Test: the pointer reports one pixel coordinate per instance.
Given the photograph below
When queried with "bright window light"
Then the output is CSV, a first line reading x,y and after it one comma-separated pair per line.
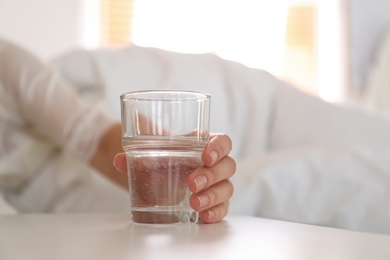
x,y
91,23
247,31
332,53
251,32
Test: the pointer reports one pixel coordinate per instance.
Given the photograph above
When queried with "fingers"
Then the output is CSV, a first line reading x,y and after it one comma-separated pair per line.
x,y
205,177
212,190
120,162
215,214
213,203
210,184
212,197
218,147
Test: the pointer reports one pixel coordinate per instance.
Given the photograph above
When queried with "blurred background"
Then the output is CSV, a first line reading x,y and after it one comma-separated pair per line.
x,y
324,47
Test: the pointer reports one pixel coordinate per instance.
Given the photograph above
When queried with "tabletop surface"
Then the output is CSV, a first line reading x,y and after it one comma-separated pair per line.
x,y
106,236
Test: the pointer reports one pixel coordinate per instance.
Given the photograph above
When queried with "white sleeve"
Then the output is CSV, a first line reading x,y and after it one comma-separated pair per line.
x,y
6,208
46,103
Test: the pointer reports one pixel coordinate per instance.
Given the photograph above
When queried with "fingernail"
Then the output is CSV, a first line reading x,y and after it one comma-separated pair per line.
x,y
211,214
203,200
201,182
214,156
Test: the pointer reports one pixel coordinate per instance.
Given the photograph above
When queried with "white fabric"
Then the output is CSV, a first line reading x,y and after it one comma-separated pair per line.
x,y
334,186
298,158
67,185
300,119
40,114
235,90
5,208
377,96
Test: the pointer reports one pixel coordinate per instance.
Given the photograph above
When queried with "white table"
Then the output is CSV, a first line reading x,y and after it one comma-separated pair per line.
x,y
114,237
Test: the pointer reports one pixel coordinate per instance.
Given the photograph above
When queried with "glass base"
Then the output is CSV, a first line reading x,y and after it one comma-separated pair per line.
x,y
165,216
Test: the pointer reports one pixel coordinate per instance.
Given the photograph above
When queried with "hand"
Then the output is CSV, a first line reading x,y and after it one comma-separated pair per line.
x,y
210,183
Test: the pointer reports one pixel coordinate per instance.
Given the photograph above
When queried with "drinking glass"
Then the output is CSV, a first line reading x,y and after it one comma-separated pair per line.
x,y
164,133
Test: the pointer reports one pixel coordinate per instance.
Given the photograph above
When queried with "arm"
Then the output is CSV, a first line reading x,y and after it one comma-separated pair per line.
x,y
110,144
44,103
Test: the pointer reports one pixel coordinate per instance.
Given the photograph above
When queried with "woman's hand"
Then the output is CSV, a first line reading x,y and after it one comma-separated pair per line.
x,y
210,183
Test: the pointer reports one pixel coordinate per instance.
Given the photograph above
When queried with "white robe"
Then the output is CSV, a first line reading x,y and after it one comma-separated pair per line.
x,y
46,128
298,158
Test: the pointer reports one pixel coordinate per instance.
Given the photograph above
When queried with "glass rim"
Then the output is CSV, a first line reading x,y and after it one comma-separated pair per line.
x,y
165,95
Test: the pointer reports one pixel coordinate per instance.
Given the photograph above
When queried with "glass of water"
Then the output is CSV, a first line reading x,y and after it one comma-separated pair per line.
x,y
164,133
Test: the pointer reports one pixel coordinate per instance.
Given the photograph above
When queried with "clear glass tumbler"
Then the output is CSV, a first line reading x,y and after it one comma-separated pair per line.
x,y
164,133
